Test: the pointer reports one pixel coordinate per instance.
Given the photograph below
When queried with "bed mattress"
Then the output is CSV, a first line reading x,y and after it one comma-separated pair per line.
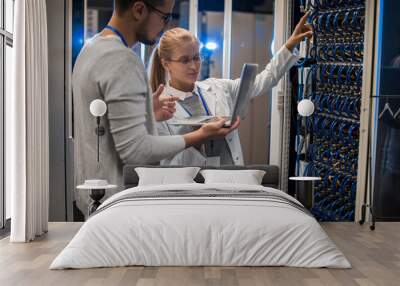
x,y
201,225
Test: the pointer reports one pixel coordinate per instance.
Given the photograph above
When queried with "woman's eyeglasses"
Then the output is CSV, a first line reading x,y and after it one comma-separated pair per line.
x,y
165,16
187,60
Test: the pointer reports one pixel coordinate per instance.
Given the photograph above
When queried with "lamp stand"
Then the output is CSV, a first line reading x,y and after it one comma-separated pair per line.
x,y
100,131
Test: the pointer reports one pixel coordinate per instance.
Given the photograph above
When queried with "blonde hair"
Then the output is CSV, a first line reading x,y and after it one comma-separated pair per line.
x,y
170,40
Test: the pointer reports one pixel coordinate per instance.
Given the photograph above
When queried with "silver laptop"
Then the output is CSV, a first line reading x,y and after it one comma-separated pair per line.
x,y
242,98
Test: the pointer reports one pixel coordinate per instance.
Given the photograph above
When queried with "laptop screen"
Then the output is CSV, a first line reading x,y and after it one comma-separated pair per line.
x,y
249,72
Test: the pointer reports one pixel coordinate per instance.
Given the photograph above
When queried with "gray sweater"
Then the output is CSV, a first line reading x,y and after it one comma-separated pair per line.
x,y
108,70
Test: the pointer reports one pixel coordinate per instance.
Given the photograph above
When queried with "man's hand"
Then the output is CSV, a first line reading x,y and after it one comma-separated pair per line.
x,y
211,130
215,129
302,30
163,106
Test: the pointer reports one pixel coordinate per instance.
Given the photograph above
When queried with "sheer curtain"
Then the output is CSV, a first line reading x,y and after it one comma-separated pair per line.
x,y
27,143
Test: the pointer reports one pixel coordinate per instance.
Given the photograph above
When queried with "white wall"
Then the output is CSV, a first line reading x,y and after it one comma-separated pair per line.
x,y
251,41
215,33
278,93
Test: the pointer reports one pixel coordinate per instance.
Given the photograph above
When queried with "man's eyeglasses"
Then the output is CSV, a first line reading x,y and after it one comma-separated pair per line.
x,y
187,60
165,16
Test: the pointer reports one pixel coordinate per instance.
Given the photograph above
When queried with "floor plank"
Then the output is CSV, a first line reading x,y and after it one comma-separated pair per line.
x,y
374,255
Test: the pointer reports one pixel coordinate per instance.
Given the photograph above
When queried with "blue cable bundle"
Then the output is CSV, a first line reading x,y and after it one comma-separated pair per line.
x,y
336,56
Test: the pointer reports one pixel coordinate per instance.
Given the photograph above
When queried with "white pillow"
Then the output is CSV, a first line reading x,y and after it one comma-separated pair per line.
x,y
164,176
248,177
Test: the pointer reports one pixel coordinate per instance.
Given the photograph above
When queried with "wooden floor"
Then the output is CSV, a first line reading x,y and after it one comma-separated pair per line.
x,y
375,257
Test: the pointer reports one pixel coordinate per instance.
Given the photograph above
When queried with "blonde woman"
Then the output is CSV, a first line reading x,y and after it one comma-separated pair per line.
x,y
176,62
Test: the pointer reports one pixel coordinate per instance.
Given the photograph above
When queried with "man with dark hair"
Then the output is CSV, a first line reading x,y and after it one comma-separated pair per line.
x,y
145,30
108,69
123,5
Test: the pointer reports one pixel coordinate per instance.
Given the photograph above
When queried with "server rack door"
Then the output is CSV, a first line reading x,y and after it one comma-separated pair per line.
x,y
386,169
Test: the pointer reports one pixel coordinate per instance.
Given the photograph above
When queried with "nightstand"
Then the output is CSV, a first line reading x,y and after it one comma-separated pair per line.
x,y
97,190
305,190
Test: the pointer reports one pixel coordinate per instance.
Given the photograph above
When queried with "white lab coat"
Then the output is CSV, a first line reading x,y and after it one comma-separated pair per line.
x,y
219,96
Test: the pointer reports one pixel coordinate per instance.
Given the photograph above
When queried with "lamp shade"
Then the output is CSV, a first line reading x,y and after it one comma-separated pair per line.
x,y
98,107
305,107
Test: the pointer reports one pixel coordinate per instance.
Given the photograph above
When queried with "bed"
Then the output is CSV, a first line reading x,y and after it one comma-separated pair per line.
x,y
198,224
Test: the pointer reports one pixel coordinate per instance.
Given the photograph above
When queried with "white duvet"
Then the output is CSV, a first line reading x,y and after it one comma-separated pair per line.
x,y
200,231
